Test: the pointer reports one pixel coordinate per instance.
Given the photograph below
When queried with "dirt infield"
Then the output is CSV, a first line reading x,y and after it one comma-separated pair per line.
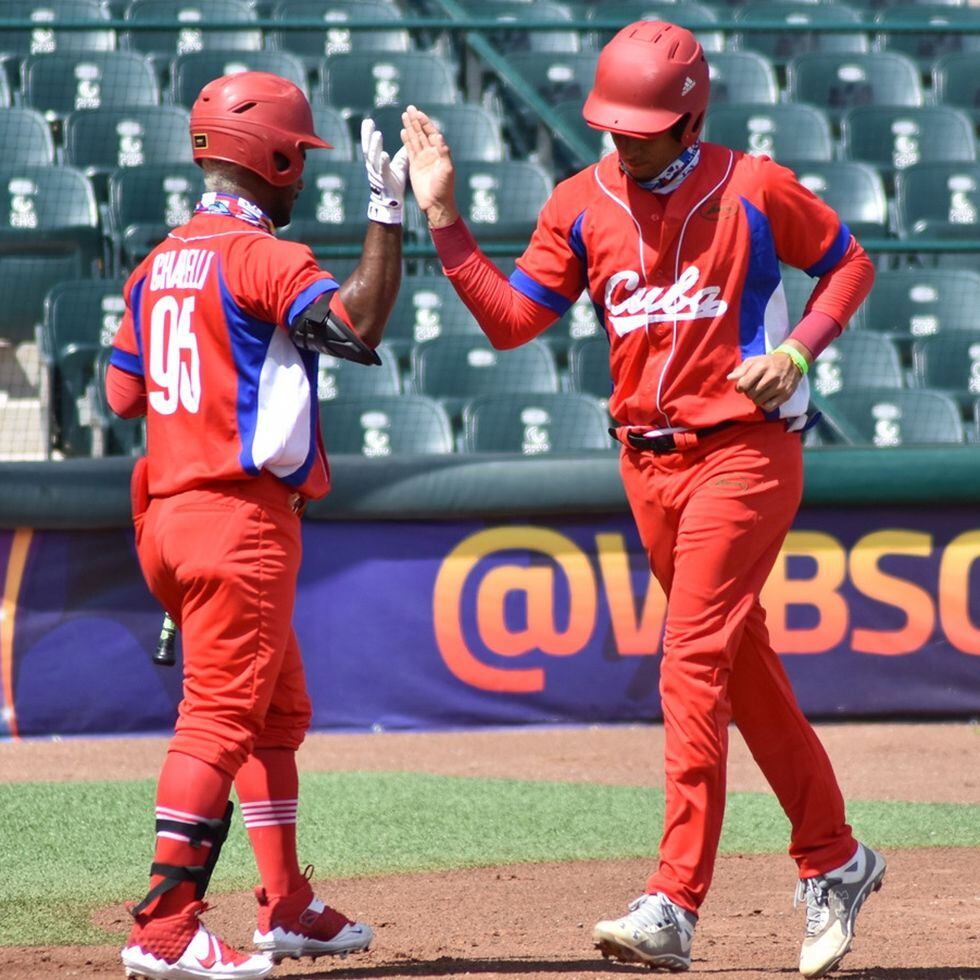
x,y
534,921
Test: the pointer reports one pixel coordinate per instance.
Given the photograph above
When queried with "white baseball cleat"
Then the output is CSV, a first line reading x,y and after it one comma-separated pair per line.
x,y
655,932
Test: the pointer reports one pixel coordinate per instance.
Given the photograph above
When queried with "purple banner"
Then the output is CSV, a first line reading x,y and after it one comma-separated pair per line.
x,y
411,625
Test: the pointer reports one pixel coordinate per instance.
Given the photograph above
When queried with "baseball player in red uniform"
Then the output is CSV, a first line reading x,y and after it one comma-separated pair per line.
x,y
218,348
678,243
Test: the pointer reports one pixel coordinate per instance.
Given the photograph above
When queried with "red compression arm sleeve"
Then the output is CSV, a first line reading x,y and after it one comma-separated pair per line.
x,y
507,317
125,393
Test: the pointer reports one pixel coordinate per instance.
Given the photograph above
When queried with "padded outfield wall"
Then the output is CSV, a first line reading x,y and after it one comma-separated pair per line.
x,y
483,591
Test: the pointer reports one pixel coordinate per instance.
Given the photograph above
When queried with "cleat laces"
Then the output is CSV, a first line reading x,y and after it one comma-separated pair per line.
x,y
816,893
656,912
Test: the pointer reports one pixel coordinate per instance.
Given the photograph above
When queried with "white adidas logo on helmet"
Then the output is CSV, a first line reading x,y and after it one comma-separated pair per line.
x,y
689,83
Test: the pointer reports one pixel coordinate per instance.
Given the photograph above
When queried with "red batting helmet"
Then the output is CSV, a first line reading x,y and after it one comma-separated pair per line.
x,y
650,75
258,120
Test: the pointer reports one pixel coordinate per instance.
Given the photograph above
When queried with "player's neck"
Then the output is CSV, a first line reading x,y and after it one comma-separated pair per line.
x,y
674,174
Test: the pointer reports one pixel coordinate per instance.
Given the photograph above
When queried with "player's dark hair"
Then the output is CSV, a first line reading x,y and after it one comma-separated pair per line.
x,y
677,130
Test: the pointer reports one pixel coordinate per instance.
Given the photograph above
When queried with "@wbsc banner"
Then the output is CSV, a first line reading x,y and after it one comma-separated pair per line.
x,y
411,624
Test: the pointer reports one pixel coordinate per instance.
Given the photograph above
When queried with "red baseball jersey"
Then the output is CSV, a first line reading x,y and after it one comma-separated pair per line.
x,y
687,284
228,393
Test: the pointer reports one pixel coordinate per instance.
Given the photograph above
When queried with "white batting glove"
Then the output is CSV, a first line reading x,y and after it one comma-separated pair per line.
x,y
386,175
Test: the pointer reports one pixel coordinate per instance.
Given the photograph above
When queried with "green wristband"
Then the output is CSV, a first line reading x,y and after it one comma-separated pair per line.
x,y
795,356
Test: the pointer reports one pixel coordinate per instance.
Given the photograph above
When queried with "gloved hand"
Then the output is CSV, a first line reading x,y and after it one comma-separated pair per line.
x,y
386,175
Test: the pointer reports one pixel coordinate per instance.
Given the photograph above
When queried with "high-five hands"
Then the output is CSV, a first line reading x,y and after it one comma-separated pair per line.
x,y
386,175
430,168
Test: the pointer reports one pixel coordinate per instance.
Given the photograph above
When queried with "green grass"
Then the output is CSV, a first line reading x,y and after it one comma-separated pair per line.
x,y
66,848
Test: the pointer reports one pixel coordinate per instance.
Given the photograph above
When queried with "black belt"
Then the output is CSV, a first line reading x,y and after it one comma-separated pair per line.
x,y
665,442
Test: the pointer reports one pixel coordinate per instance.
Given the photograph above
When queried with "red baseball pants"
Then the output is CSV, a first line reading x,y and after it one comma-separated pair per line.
x,y
223,561
712,520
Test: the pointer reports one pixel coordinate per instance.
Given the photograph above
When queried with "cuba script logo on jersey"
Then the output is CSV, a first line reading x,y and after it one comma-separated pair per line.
x,y
632,307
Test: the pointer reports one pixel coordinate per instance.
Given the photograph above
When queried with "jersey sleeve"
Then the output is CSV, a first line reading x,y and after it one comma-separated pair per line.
x,y
273,280
552,269
127,353
808,234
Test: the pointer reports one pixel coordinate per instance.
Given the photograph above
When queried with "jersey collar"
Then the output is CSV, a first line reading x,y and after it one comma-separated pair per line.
x,y
230,206
675,173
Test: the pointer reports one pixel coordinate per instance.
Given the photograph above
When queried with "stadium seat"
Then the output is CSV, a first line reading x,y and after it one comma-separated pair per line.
x,y
48,233
6,98
939,200
338,378
186,35
950,362
854,190
191,72
386,426
557,77
73,400
926,47
588,367
81,311
534,425
781,46
332,210
578,323
25,138
956,82
501,201
857,359
692,15
102,140
331,126
146,202
359,82
111,435
59,83
913,303
894,139
456,369
600,142
427,307
517,39
470,130
783,132
44,38
838,82
742,77
335,38
899,417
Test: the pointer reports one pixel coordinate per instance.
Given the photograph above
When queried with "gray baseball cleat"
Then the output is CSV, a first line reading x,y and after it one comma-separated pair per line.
x,y
656,932
833,901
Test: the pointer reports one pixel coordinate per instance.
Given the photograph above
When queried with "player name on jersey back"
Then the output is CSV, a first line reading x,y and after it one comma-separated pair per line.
x,y
185,268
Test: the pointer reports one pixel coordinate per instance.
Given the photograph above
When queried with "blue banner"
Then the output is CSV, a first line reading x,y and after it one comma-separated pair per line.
x,y
411,625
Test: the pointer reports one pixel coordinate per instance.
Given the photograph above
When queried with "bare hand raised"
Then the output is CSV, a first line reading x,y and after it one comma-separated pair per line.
x,y
430,168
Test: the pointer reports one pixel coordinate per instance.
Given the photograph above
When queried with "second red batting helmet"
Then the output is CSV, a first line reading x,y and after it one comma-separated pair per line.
x,y
258,120
649,76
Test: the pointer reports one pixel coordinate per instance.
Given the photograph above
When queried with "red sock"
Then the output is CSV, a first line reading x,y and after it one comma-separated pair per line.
x,y
189,790
268,788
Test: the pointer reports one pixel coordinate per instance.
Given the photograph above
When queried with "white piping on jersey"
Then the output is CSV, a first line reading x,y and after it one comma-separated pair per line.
x,y
625,206
677,273
222,234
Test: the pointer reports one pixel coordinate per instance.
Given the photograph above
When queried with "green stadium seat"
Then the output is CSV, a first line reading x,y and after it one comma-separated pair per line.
x,y
59,83
781,46
744,77
471,131
894,139
73,400
578,323
939,200
338,378
362,81
332,210
956,82
838,82
691,15
44,38
186,35
783,132
857,360
854,190
913,303
899,417
949,362
600,142
190,72
146,202
25,138
926,47
588,367
501,201
335,38
330,124
382,426
100,141
517,39
797,287
111,435
456,369
534,425
557,77
427,307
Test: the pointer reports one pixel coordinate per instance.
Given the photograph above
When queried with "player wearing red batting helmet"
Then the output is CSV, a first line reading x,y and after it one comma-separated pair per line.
x,y
219,349
678,243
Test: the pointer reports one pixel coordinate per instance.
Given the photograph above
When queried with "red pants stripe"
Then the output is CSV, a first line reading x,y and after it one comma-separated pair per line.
x,y
712,520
